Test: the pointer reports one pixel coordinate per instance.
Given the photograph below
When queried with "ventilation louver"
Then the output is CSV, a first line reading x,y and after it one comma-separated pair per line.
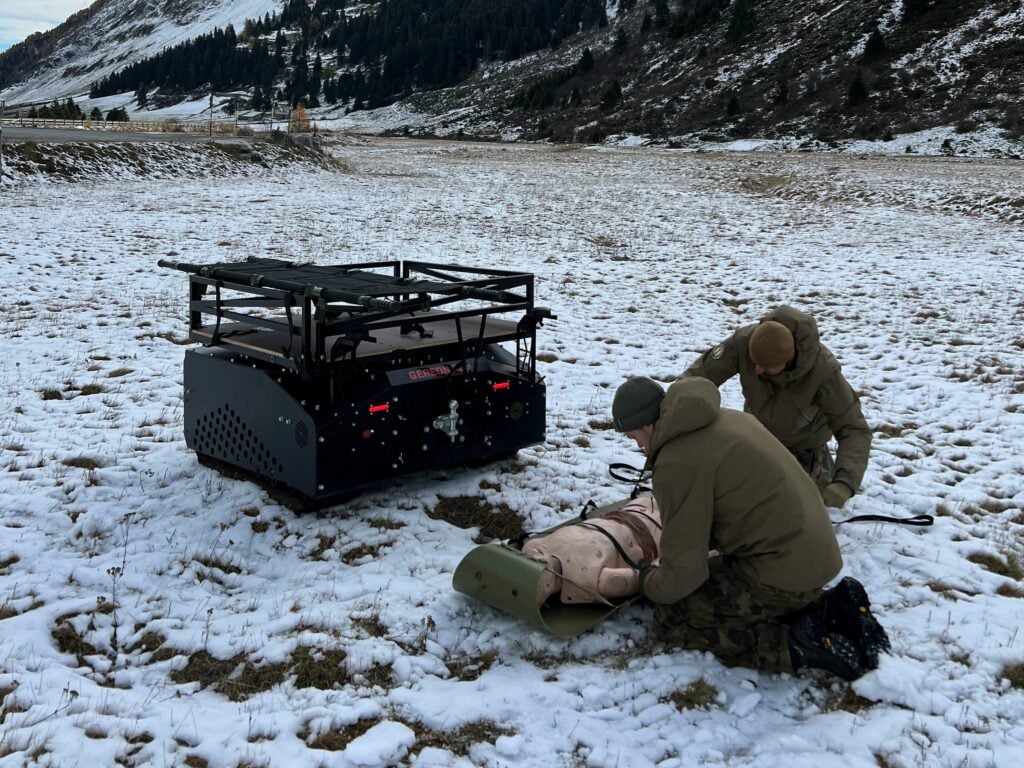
x,y
223,435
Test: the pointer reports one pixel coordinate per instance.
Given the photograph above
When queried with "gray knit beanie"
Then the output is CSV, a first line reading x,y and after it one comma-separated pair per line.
x,y
637,403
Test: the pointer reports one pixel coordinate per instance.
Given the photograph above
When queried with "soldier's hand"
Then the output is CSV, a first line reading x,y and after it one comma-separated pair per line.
x,y
645,569
836,494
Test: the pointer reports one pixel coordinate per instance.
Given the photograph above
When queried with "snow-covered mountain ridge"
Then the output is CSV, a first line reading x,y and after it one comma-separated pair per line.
x,y
109,35
664,69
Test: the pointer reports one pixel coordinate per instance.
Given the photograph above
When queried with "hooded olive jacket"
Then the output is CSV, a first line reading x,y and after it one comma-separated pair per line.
x,y
805,405
723,482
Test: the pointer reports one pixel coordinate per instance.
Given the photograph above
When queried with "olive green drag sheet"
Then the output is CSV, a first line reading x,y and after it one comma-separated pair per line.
x,y
501,576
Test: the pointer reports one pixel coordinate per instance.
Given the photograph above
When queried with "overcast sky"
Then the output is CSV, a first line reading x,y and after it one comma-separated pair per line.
x,y
20,18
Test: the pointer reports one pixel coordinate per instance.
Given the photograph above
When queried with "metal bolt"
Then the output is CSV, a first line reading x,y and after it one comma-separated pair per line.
x,y
320,487
320,439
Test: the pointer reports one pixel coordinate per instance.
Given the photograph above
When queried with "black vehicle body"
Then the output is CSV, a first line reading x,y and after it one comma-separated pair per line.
x,y
328,379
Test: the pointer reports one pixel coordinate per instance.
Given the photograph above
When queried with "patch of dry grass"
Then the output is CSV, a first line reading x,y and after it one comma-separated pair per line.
x,y
496,521
470,667
68,640
316,668
378,675
217,564
1010,566
236,678
337,740
1015,674
697,695
361,551
371,625
325,542
82,462
846,701
460,740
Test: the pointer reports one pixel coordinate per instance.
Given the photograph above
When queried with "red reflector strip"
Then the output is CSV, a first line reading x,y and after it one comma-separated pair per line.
x,y
502,385
379,408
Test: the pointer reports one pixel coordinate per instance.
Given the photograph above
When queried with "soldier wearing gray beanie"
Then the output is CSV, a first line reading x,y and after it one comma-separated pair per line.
x,y
637,403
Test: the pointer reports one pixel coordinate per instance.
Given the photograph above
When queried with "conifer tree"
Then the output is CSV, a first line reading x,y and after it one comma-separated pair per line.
x,y
857,92
914,9
586,62
743,20
875,47
611,96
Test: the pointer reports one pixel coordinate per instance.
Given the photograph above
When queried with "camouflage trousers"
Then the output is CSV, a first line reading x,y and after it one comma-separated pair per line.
x,y
741,621
818,463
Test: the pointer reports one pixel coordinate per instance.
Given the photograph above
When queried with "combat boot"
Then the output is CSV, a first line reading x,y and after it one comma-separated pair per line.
x,y
847,610
812,645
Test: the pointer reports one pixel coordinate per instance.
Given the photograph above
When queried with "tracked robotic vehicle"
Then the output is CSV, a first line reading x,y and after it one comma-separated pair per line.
x,y
322,380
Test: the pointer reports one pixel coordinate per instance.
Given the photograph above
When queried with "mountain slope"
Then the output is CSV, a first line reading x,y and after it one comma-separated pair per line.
x,y
109,35
830,70
659,68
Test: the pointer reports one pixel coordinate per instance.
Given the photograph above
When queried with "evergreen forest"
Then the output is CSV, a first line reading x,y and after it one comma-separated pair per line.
x,y
329,53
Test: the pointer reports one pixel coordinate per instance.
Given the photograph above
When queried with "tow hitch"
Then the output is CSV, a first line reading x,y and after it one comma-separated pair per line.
x,y
449,423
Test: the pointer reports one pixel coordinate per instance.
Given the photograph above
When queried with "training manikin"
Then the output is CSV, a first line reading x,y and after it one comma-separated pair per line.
x,y
583,562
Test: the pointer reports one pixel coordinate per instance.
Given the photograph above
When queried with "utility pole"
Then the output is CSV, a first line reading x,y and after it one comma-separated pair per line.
x,y
211,117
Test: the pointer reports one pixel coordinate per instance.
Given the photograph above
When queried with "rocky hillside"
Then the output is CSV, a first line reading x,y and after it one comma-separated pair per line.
x,y
764,68
823,69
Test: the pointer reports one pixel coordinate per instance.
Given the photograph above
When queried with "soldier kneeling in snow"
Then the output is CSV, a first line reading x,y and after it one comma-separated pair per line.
x,y
723,482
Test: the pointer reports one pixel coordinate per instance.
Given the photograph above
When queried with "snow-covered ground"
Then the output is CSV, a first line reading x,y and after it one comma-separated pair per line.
x,y
154,612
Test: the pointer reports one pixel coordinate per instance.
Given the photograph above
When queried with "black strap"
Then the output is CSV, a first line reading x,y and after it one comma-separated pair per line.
x,y
590,506
653,522
520,540
917,520
614,541
639,475
621,471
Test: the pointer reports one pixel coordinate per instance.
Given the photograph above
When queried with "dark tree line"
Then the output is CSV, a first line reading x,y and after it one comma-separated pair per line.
x,y
213,61
374,58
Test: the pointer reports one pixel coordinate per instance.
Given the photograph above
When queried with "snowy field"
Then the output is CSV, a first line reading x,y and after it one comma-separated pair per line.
x,y
153,612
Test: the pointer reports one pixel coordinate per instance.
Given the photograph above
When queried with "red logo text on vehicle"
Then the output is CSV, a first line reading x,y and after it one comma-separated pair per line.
x,y
431,372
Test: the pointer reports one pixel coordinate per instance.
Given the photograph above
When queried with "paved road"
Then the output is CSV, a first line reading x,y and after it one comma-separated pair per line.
x,y
60,135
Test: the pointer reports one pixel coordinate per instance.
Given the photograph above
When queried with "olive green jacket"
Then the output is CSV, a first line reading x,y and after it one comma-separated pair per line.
x,y
723,482
806,404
